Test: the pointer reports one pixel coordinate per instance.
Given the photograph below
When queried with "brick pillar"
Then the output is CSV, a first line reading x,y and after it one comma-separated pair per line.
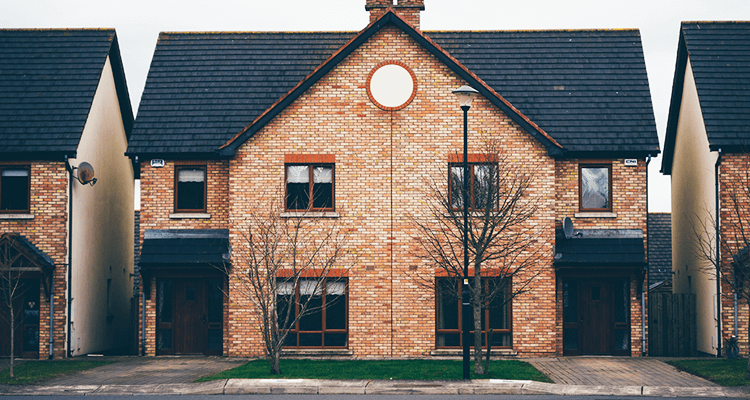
x,y
377,8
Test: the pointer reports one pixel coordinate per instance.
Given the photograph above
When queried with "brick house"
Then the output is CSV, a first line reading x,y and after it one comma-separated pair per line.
x,y
705,152
235,113
63,102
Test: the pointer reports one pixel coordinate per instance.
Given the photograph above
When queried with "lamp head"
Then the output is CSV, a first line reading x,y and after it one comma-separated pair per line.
x,y
465,95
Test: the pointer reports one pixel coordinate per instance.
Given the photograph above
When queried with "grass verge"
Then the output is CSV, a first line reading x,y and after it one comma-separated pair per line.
x,y
721,371
385,369
31,372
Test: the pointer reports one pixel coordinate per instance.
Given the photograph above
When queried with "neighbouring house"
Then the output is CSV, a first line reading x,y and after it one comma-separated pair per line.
x,y
226,116
706,154
660,252
64,106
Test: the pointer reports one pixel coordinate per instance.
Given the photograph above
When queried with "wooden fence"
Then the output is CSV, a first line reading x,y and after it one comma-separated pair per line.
x,y
671,325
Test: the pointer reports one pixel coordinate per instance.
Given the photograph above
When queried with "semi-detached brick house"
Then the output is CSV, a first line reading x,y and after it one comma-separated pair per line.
x,y
230,112
63,102
706,154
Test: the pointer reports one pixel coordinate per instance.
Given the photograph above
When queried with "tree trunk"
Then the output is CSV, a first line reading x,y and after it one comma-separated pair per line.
x,y
476,304
275,359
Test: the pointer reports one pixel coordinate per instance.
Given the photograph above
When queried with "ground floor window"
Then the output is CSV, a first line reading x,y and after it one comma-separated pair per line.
x,y
324,320
496,313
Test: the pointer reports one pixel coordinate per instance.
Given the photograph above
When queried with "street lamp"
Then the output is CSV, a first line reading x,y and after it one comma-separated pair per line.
x,y
465,95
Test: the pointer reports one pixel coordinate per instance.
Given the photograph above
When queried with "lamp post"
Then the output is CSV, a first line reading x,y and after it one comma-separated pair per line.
x,y
465,95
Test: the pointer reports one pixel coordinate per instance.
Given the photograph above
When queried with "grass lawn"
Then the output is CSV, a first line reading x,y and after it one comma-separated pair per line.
x,y
372,369
31,372
722,371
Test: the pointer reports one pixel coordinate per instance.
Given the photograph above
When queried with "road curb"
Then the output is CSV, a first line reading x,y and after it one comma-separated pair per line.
x,y
371,387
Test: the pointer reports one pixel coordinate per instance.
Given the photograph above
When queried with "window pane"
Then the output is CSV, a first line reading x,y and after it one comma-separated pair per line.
x,y
449,340
164,339
323,195
310,339
499,309
313,321
595,188
456,183
191,175
335,340
14,189
447,305
335,312
570,339
283,302
214,339
485,178
622,339
297,174
297,196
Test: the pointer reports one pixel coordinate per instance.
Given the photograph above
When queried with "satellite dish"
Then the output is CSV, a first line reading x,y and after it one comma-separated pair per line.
x,y
86,174
568,227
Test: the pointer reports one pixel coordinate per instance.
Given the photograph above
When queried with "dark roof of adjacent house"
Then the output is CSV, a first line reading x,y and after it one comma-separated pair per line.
x,y
659,247
181,247
719,54
603,248
583,92
48,78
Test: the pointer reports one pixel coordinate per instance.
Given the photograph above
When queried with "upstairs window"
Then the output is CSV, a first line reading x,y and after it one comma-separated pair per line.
x,y
14,189
482,185
595,183
309,187
190,189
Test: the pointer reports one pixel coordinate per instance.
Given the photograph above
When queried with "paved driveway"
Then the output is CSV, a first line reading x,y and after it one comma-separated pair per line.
x,y
149,370
615,371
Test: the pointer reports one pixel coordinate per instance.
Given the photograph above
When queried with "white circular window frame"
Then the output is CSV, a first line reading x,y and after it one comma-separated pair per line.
x,y
391,85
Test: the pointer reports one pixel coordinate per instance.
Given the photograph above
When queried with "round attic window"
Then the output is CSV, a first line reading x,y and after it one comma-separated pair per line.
x,y
391,85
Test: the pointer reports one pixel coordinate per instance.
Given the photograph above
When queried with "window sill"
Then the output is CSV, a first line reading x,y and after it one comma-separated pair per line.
x,y
316,352
189,216
16,216
459,352
312,214
595,215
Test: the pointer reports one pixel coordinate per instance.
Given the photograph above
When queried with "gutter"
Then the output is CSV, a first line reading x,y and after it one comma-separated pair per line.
x,y
69,272
645,280
718,259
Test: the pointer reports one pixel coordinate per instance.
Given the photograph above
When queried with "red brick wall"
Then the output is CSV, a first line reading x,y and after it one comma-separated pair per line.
x,y
734,183
384,162
48,231
629,209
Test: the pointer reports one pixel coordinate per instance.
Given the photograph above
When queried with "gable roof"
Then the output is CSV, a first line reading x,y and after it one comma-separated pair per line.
x,y
48,78
719,54
176,119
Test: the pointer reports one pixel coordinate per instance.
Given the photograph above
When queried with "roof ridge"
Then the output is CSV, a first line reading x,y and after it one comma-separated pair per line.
x,y
716,22
534,30
55,29
247,32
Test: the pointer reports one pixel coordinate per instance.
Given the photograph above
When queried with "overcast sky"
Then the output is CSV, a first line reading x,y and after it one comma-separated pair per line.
x,y
138,22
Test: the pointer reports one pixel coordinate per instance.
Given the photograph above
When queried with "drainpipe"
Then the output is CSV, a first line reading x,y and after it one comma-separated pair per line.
x,y
137,170
51,313
718,259
70,254
644,285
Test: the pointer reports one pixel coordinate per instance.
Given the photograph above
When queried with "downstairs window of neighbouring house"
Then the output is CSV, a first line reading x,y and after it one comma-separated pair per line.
x,y
496,313
14,189
324,322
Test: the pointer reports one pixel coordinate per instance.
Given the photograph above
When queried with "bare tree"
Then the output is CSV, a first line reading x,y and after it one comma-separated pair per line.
x,y
11,289
502,243
290,266
733,257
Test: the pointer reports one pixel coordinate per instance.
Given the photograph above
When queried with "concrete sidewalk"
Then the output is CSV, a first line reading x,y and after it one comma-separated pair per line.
x,y
623,376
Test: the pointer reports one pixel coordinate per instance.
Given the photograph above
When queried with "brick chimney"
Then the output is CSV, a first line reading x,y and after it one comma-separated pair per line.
x,y
408,9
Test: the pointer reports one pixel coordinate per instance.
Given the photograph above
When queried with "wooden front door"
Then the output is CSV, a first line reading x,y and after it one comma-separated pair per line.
x,y
190,322
26,314
596,324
